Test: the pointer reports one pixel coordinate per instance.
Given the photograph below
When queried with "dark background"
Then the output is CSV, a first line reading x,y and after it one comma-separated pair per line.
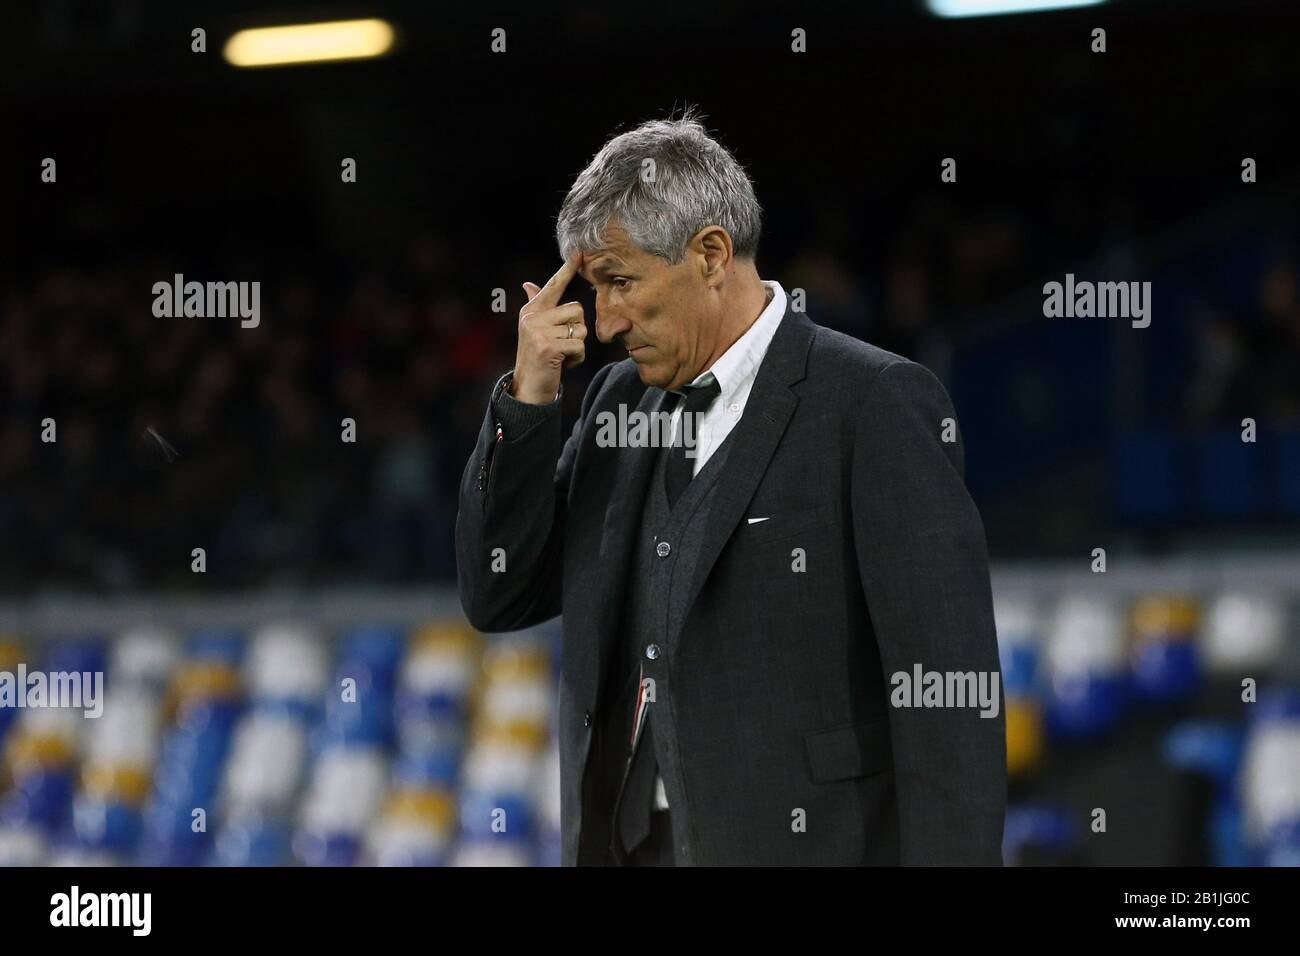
x,y
1123,165
376,298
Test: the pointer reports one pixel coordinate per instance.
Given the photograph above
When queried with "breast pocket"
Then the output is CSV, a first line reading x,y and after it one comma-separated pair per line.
x,y
849,750
761,528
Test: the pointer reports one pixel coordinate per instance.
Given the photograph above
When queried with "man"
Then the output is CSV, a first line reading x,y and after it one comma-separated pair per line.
x,y
740,598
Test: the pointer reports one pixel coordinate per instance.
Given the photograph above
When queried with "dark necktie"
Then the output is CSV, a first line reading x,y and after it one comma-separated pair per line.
x,y
677,474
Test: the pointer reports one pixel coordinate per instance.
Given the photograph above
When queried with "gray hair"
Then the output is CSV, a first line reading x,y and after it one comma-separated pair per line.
x,y
696,183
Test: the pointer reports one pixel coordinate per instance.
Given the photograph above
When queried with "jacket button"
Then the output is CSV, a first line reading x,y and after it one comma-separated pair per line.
x,y
586,718
652,652
663,549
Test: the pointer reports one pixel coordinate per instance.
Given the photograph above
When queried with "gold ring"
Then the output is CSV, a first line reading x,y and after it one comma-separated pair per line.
x,y
570,335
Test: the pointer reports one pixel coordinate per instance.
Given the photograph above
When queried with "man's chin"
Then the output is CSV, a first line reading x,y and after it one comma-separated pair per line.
x,y
650,376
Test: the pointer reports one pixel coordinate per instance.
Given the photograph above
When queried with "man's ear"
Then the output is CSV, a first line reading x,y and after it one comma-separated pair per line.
x,y
712,245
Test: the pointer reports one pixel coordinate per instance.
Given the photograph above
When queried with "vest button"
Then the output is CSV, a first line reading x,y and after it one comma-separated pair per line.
x,y
663,549
586,718
652,651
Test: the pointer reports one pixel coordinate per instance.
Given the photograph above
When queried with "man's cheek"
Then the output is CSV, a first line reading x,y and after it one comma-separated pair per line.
x,y
654,329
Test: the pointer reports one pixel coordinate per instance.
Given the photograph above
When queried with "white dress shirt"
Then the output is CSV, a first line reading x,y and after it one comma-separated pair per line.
x,y
735,372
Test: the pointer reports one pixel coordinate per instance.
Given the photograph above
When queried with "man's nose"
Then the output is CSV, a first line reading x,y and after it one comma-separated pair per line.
x,y
610,325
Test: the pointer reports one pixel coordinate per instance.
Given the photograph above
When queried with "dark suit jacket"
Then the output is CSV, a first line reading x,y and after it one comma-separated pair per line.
x,y
783,747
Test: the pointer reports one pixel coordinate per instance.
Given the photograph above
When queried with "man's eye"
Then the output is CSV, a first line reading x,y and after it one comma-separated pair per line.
x,y
620,282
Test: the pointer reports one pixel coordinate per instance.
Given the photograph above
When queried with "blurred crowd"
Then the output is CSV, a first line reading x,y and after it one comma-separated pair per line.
x,y
1251,361
182,433
172,434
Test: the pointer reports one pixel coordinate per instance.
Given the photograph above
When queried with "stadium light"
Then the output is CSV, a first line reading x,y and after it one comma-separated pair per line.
x,y
309,43
990,8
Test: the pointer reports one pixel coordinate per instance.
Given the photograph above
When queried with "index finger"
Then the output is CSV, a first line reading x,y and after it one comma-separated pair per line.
x,y
549,296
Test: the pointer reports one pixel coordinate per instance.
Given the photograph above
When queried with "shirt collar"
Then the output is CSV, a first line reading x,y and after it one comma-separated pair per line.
x,y
740,362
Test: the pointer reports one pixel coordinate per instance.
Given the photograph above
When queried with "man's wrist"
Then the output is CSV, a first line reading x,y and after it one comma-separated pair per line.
x,y
516,417
511,389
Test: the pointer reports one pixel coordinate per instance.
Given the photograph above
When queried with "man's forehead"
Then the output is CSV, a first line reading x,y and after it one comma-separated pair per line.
x,y
617,251
602,261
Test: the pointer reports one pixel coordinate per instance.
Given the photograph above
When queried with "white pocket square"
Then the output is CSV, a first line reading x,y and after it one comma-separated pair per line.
x,y
756,520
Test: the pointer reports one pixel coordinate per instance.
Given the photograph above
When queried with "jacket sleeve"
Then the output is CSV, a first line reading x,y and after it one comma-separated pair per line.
x,y
924,563
510,521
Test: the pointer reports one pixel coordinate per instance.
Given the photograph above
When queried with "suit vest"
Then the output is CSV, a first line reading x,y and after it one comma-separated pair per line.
x,y
665,554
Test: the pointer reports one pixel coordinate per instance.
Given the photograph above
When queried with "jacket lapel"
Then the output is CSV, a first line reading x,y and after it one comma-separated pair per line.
x,y
755,439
